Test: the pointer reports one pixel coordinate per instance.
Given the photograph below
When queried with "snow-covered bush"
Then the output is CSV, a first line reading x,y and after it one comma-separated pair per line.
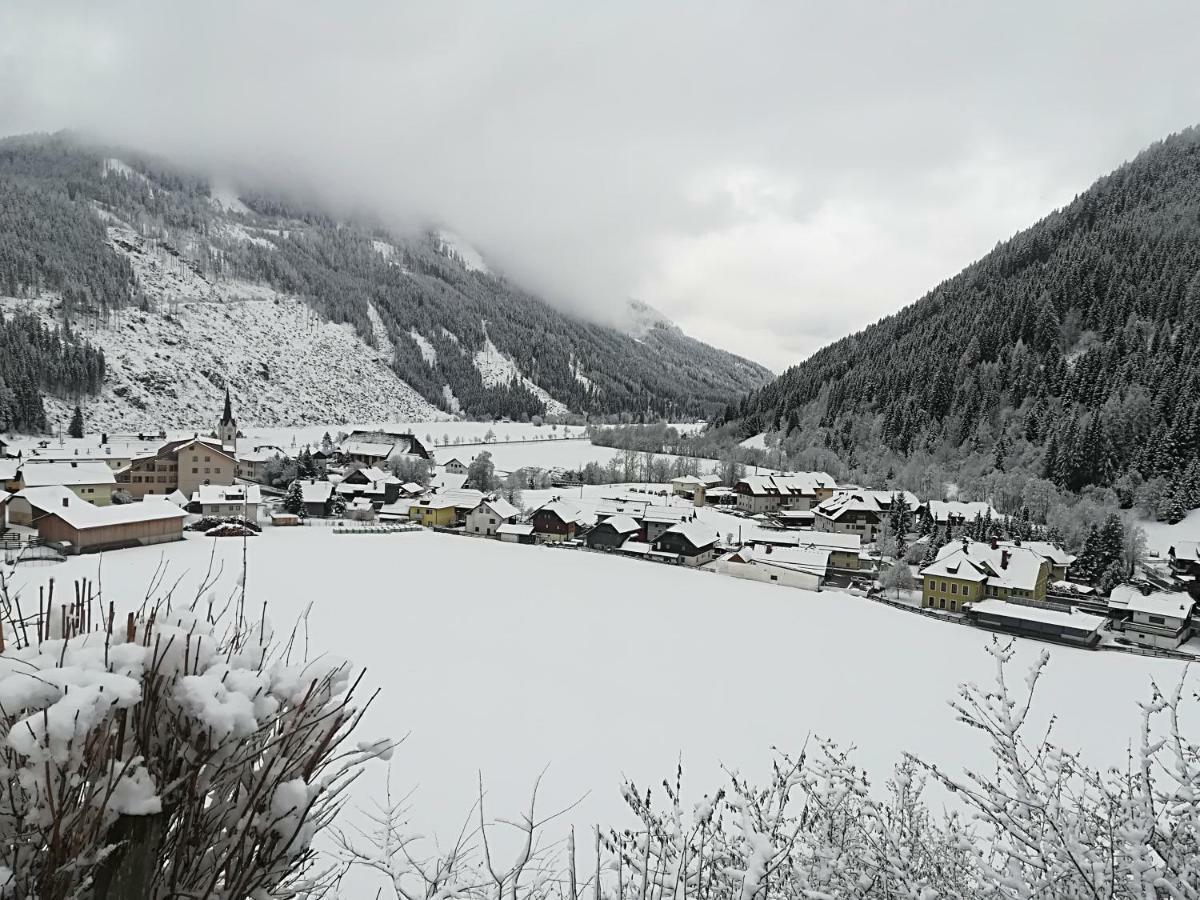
x,y
176,751
1031,822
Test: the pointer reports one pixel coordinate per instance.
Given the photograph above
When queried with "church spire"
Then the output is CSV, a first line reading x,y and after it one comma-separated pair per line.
x,y
227,427
227,416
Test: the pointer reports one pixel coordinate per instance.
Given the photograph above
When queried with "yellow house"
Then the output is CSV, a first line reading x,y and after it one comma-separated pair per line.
x,y
968,571
90,481
434,512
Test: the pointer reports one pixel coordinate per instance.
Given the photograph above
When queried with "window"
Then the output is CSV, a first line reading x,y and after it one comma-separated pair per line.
x,y
774,577
1157,620
195,471
208,459
954,588
942,603
943,587
953,606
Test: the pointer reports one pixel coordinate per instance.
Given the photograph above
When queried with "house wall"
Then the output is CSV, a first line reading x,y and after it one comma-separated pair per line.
x,y
938,592
602,538
249,510
551,528
757,503
483,521
159,475
843,559
433,517
676,543
655,529
200,464
93,540
849,523
770,575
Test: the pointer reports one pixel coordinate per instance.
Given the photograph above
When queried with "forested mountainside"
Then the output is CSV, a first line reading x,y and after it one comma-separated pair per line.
x,y
1071,350
465,339
35,359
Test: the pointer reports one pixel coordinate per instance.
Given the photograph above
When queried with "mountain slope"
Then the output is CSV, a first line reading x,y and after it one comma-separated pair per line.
x,y
1074,346
78,220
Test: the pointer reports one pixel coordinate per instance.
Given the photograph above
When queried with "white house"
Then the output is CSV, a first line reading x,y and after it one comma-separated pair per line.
x,y
455,467
516,534
227,500
489,515
1159,619
801,567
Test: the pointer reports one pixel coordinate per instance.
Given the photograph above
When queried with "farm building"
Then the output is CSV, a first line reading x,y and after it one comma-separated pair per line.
x,y
83,528
223,500
612,533
90,481
688,543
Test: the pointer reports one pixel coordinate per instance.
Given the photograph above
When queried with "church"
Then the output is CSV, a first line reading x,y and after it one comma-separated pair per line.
x,y
185,464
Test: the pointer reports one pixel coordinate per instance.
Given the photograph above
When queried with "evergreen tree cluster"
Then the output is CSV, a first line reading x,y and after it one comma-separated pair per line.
x,y
1076,343
35,359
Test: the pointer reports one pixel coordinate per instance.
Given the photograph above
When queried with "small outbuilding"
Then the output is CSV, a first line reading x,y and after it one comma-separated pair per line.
x,y
82,528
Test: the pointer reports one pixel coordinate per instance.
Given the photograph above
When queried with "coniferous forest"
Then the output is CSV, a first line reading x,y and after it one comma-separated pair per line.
x,y
1071,352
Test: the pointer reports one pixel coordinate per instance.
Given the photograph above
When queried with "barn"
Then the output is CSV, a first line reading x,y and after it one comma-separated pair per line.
x,y
83,528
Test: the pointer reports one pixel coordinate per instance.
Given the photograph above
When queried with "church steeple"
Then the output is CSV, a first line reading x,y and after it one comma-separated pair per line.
x,y
227,427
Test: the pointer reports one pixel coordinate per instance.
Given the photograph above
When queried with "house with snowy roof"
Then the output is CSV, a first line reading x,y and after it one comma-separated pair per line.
x,y
845,549
63,519
1058,558
757,494
1159,619
968,571
226,500
488,515
1057,622
613,531
558,520
859,511
657,519
802,567
1183,557
455,467
10,475
90,481
690,543
374,447
433,511
317,497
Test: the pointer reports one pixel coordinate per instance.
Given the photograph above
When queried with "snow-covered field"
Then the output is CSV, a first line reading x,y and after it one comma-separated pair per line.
x,y
500,659
1161,537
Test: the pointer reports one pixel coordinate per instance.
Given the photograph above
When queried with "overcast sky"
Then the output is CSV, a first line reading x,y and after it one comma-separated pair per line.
x,y
770,175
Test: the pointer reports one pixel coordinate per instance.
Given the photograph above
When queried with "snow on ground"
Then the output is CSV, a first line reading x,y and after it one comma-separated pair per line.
x,y
225,197
758,442
383,342
428,352
1161,537
499,660
495,368
471,258
114,166
233,231
451,400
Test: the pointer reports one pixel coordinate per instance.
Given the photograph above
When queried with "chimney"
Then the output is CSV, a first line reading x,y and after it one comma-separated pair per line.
x,y
1004,554
995,546
74,465
966,546
66,501
768,549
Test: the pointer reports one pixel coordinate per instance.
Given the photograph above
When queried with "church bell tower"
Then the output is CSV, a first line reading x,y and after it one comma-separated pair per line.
x,y
227,427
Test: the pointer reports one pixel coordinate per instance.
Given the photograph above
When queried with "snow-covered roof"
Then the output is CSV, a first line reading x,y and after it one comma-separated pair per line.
x,y
66,473
412,487
61,502
697,534
1186,550
664,515
565,510
831,540
621,524
448,481
1046,615
316,491
1057,555
463,498
794,484
501,507
9,469
706,480
256,456
863,501
639,547
1009,567
942,510
1173,604
802,559
434,502
366,448
207,494
513,528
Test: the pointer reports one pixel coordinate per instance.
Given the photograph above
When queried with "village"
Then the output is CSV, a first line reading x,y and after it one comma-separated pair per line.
x,y
959,562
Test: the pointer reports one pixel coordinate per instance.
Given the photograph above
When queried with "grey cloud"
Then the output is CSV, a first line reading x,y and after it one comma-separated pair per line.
x,y
771,175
